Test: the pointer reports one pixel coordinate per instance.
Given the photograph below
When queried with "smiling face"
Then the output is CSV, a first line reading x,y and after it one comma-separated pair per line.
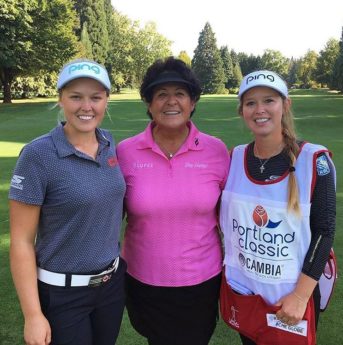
x,y
171,106
262,109
84,102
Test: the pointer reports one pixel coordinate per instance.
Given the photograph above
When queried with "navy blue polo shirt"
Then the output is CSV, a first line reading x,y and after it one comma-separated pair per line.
x,y
81,201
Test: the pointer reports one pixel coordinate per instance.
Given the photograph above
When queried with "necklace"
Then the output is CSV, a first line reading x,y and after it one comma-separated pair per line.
x,y
263,163
166,152
176,144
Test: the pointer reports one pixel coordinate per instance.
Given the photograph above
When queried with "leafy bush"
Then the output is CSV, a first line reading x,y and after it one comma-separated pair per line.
x,y
43,85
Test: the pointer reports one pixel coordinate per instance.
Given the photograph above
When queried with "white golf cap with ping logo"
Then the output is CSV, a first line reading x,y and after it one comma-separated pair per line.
x,y
263,78
83,69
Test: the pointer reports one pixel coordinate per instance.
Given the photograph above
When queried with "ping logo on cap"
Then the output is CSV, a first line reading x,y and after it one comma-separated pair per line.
x,y
257,76
263,78
82,66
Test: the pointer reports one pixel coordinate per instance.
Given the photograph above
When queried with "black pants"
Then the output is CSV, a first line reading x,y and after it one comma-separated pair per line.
x,y
174,315
316,299
85,315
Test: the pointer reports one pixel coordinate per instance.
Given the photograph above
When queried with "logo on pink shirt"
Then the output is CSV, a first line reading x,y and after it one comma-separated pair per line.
x,y
143,165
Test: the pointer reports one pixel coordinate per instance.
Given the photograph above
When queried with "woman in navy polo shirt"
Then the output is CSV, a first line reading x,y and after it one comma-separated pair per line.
x,y
64,231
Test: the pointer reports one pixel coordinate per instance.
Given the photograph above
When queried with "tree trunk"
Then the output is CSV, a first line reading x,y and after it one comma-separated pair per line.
x,y
6,79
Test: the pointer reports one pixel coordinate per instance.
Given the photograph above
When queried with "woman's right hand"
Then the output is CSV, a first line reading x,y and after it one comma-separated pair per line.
x,y
37,330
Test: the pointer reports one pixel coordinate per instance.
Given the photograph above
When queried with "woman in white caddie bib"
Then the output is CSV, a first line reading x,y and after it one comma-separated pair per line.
x,y
278,219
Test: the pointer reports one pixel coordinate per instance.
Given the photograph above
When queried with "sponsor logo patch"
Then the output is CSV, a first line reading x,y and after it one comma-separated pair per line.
x,y
143,165
322,166
261,218
16,182
112,162
258,76
82,66
233,321
196,165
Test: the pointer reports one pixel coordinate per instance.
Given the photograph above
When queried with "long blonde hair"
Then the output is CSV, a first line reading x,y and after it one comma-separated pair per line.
x,y
292,150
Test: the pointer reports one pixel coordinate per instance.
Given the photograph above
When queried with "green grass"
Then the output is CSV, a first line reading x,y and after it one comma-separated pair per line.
x,y
319,119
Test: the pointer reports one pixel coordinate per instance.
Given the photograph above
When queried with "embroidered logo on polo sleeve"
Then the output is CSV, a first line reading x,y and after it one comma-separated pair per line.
x,y
16,182
322,166
112,161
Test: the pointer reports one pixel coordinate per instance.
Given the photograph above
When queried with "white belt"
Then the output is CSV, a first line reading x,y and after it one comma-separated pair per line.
x,y
59,279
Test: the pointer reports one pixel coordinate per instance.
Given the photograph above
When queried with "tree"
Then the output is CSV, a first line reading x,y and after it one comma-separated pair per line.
x,y
131,49
207,63
234,57
292,78
306,69
337,81
234,81
273,60
119,50
120,55
185,58
93,13
249,63
326,62
236,78
87,45
148,46
35,36
227,64
43,85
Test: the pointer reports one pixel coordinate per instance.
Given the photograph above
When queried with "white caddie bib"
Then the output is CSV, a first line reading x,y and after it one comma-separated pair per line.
x,y
265,245
265,241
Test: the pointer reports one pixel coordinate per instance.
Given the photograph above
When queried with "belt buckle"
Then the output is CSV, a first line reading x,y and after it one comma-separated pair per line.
x,y
98,280
104,277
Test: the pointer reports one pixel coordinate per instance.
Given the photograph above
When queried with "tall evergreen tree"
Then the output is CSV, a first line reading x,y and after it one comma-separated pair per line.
x,y
92,12
87,45
227,64
116,54
207,63
237,76
292,77
337,81
234,57
249,63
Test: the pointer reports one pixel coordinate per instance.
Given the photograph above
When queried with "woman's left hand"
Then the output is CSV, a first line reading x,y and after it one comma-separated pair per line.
x,y
292,309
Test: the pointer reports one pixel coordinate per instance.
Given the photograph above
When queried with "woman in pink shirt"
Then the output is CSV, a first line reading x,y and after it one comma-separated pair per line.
x,y
174,175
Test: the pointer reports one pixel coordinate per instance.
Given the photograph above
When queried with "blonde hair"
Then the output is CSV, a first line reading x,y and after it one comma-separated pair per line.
x,y
292,150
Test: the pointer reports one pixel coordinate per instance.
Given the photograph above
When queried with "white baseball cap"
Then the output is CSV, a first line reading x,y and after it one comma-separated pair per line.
x,y
263,78
82,68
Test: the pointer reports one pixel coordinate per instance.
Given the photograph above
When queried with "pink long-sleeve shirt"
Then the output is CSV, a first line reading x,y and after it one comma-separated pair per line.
x,y
171,238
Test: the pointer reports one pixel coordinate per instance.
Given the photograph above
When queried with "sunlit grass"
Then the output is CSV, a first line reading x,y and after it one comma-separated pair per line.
x,y
10,149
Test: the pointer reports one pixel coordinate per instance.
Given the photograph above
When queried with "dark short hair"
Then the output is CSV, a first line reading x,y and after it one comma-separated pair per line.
x,y
168,70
